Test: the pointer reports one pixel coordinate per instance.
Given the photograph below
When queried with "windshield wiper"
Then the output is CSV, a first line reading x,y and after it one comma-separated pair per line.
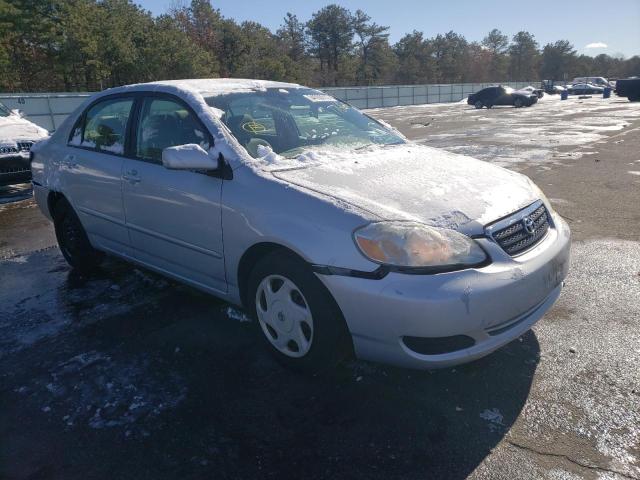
x,y
365,146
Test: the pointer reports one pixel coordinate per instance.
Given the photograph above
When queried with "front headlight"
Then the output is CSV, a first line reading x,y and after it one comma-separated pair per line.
x,y
409,246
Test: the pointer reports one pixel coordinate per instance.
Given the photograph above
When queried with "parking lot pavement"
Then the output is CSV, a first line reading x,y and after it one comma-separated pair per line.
x,y
127,375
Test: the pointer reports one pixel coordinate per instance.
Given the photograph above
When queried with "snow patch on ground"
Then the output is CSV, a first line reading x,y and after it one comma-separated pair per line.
x,y
235,314
96,390
494,417
573,124
54,309
18,259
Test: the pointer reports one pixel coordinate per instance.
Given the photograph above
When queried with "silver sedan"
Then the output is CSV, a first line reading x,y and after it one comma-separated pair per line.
x,y
333,231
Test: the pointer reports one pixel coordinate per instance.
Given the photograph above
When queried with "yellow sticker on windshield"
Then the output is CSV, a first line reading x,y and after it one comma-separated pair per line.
x,y
253,127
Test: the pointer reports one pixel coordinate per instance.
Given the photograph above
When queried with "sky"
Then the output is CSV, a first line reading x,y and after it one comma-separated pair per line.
x,y
593,26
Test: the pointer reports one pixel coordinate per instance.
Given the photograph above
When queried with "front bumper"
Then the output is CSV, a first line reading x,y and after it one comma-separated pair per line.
x,y
14,169
493,305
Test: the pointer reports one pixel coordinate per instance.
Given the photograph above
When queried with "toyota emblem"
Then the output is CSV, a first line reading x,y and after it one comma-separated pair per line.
x,y
529,226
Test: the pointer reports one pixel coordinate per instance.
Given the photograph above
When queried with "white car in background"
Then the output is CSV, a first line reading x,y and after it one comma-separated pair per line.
x,y
17,135
597,81
585,89
532,91
336,233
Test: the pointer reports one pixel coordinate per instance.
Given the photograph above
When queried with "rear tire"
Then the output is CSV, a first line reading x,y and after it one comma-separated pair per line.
x,y
518,103
298,320
73,241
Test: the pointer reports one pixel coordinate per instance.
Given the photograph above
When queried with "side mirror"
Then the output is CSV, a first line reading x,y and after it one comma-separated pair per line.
x,y
188,157
18,112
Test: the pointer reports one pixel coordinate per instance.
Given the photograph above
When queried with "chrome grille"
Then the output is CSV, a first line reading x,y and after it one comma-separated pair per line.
x,y
6,150
525,233
12,170
25,146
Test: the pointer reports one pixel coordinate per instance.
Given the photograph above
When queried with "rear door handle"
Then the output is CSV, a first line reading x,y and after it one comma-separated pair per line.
x,y
131,176
69,161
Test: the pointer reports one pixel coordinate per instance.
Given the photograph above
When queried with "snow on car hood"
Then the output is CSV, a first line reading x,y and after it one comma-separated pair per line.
x,y
14,128
414,182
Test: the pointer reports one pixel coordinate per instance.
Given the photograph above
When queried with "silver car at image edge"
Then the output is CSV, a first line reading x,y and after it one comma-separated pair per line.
x,y
332,230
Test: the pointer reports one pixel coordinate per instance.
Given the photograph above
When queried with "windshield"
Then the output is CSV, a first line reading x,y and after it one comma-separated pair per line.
x,y
4,111
289,121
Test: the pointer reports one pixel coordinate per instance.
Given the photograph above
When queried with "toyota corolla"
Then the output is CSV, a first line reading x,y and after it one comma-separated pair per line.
x,y
332,230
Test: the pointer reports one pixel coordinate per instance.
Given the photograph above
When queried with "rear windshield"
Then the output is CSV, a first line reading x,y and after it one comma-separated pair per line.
x,y
289,121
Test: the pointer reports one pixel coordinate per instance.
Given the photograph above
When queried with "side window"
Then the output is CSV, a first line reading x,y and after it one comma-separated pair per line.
x,y
487,93
166,123
104,126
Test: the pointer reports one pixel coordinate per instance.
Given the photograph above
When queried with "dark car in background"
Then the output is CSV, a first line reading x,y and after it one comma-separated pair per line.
x,y
491,96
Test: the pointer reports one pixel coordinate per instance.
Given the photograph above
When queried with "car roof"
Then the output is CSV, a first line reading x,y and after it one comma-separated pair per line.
x,y
204,86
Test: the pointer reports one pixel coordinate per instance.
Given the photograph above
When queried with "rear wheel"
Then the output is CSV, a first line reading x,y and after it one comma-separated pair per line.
x,y
72,239
478,104
518,103
299,321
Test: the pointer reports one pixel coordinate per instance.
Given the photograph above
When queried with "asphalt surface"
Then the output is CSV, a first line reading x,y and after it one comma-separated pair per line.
x,y
125,374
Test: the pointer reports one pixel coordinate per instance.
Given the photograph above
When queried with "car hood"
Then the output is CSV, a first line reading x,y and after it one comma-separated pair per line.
x,y
418,183
14,128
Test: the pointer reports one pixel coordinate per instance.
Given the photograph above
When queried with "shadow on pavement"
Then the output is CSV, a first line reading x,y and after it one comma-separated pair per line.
x,y
14,193
128,375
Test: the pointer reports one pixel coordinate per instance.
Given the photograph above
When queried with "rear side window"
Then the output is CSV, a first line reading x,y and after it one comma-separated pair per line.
x,y
104,125
487,93
167,123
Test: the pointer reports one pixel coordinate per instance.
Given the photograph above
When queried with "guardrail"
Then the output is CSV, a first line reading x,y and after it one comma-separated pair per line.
x,y
50,109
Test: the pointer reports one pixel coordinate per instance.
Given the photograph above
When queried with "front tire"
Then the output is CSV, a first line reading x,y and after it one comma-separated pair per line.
x,y
299,321
518,103
478,104
73,241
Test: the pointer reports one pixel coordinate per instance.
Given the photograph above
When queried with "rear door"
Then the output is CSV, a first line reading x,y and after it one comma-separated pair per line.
x,y
91,171
173,216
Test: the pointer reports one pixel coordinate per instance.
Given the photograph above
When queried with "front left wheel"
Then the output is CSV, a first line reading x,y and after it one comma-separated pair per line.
x,y
299,321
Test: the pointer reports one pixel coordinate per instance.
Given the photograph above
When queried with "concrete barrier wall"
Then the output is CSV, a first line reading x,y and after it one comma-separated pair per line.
x,y
397,95
45,109
50,109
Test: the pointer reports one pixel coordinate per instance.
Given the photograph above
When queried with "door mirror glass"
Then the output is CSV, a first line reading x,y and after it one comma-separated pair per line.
x,y
188,157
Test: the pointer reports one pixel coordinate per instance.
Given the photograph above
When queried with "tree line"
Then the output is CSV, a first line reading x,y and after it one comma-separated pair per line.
x,y
71,45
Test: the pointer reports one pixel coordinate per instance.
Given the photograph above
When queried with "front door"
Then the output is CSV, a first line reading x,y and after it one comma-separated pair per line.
x,y
173,216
